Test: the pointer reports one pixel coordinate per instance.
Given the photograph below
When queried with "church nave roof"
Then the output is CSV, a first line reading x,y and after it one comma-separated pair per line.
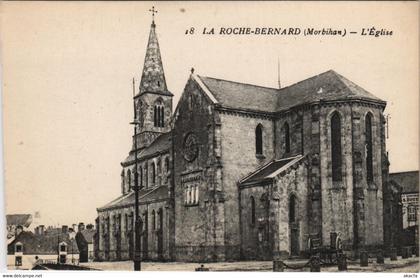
x,y
148,195
326,86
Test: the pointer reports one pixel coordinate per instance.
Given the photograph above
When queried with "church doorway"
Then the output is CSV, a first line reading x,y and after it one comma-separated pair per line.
x,y
160,235
145,237
118,242
293,226
131,244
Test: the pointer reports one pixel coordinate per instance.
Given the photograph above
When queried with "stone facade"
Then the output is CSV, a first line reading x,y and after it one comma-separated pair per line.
x,y
269,231
246,172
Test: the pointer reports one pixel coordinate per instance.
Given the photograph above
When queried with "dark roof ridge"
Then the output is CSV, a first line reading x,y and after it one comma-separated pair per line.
x,y
312,77
237,82
403,172
342,78
287,157
160,137
154,143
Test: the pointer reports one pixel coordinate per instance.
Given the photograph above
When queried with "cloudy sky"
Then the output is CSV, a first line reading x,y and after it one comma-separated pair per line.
x,y
67,70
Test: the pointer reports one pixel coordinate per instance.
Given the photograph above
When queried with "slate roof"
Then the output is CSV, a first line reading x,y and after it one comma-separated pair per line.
x,y
270,170
243,96
88,234
409,181
145,196
42,244
153,76
326,86
323,87
161,144
24,220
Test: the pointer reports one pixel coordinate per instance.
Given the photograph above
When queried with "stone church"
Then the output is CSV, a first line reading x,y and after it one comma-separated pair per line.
x,y
240,171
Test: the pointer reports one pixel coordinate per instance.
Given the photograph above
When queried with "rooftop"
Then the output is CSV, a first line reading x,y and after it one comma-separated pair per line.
x,y
409,181
145,196
270,170
326,86
42,244
161,144
24,220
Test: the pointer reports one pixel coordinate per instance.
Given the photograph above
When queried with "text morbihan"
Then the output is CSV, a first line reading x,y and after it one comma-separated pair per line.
x,y
274,31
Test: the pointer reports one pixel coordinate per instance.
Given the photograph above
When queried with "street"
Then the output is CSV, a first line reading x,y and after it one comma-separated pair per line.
x,y
401,265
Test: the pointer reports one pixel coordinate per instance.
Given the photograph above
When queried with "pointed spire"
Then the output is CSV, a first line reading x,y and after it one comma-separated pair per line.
x,y
153,76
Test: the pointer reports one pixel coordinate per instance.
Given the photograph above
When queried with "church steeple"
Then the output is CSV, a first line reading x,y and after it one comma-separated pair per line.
x,y
153,103
153,76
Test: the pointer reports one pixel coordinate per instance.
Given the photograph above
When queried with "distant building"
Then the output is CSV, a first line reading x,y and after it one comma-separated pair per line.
x,y
15,220
28,248
409,183
85,242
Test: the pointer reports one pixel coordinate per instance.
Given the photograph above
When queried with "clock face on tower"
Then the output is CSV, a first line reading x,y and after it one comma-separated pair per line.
x,y
190,147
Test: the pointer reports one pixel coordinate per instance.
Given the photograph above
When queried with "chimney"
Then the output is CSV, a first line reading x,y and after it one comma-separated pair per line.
x,y
41,229
64,229
81,227
18,230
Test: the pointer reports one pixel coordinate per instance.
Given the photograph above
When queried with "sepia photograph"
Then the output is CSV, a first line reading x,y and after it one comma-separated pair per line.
x,y
210,136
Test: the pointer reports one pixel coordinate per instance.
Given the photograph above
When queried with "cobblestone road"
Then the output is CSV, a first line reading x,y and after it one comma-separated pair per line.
x,y
406,266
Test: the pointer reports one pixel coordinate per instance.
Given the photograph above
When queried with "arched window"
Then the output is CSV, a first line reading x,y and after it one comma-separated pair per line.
x,y
368,145
146,175
122,181
252,210
162,115
190,102
196,194
128,180
139,115
160,214
192,194
158,114
167,164
153,220
259,140
153,173
189,194
292,209
186,195
141,176
155,115
286,137
126,222
336,158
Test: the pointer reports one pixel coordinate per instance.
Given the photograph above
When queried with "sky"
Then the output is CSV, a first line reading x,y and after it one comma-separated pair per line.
x,y
67,71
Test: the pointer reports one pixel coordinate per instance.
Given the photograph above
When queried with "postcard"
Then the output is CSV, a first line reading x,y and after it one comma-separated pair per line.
x,y
211,136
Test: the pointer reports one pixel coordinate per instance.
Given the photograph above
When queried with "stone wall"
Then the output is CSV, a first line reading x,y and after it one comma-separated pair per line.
x,y
255,240
146,131
337,197
352,206
144,169
294,119
240,159
270,235
199,230
152,236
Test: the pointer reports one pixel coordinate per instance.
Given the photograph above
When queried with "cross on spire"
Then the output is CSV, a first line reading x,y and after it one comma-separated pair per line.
x,y
153,11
